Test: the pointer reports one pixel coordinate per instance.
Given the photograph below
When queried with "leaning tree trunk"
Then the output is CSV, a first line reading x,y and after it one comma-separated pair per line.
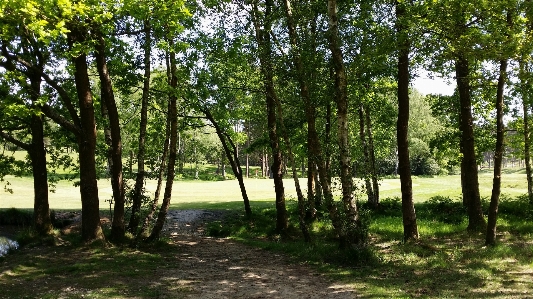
x,y
117,183
139,179
143,233
91,229
233,158
265,56
410,228
172,114
471,182
498,155
341,98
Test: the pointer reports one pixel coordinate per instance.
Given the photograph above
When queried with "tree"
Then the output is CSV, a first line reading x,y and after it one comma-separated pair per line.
x,y
263,26
410,228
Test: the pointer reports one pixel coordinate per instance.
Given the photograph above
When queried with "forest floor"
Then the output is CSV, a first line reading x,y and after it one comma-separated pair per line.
x,y
189,266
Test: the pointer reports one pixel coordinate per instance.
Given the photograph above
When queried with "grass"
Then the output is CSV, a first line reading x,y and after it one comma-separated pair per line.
x,y
212,193
447,262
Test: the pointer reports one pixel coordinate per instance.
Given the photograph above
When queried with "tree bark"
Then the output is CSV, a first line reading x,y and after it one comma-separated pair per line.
x,y
373,170
233,158
316,159
149,217
42,221
366,170
172,114
117,183
471,182
265,56
139,179
341,99
410,228
299,194
527,140
498,155
91,229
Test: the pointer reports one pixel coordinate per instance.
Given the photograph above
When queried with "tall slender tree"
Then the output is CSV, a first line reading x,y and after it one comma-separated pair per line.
x,y
410,228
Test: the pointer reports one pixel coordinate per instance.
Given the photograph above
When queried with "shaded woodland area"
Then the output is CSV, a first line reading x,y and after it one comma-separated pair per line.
x,y
155,89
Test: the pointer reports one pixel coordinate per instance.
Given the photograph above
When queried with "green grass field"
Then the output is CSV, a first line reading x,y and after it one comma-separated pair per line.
x,y
204,193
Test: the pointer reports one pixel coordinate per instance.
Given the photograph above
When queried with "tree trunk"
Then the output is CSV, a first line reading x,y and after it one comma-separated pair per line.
x,y
410,228
341,99
42,222
91,229
471,184
498,154
233,158
316,159
149,217
373,170
366,170
299,194
117,183
525,109
139,179
41,210
311,188
172,114
265,56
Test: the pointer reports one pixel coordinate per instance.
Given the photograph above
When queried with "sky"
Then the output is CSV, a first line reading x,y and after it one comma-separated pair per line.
x,y
435,85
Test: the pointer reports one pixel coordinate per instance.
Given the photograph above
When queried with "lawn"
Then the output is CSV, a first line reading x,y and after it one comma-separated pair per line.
x,y
448,262
191,192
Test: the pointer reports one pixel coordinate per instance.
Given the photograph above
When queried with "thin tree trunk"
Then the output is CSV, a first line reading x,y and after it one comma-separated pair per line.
x,y
117,183
373,170
91,229
410,228
139,180
366,170
149,218
263,40
341,99
471,183
498,154
299,194
173,116
314,147
311,188
526,112
233,158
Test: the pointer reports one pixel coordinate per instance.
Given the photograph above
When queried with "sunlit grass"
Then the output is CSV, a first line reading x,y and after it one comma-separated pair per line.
x,y
212,193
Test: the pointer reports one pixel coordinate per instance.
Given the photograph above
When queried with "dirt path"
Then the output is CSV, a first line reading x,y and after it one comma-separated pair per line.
x,y
192,266
222,268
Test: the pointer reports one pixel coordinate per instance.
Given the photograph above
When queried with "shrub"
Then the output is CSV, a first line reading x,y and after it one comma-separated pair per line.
x,y
518,206
14,216
445,209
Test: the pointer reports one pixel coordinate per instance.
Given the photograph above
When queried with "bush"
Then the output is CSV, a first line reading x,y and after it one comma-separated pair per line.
x,y
444,209
518,206
390,206
14,216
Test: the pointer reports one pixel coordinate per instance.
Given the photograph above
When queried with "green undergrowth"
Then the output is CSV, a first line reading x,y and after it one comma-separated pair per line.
x,y
446,262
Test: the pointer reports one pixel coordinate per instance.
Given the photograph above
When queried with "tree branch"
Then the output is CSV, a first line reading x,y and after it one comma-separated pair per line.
x,y
15,141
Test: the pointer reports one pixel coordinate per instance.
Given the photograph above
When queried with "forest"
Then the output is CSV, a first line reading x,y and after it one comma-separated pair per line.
x,y
319,92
